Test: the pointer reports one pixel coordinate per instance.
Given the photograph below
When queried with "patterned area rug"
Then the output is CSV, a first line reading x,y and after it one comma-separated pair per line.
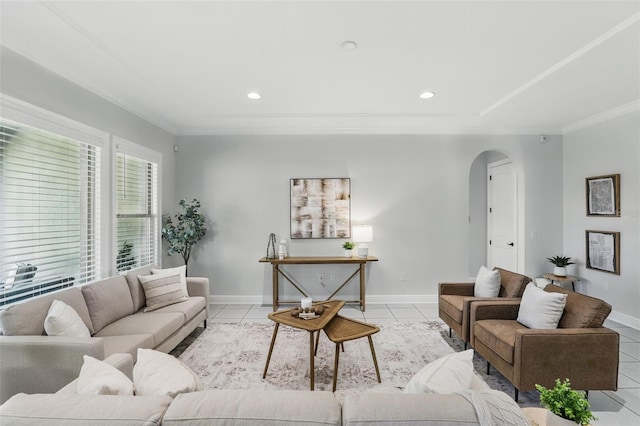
x,y
232,356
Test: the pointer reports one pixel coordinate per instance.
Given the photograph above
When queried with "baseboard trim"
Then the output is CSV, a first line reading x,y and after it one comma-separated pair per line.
x,y
625,319
371,299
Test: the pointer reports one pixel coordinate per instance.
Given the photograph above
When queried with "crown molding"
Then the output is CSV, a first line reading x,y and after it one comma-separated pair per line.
x,y
602,117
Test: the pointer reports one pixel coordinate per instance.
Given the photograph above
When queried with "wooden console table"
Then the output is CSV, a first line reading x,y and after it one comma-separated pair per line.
x,y
277,271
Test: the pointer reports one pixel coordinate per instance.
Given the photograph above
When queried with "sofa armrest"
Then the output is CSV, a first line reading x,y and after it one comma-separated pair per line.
x,y
505,308
42,364
456,288
588,357
123,362
199,286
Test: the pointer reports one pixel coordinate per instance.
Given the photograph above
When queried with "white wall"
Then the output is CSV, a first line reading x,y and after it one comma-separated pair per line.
x,y
414,190
606,148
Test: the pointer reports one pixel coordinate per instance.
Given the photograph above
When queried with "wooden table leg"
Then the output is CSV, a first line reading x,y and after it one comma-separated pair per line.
x,y
273,341
335,366
274,280
375,360
362,287
312,367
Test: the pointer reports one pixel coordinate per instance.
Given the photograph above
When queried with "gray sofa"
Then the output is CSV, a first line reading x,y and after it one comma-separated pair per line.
x,y
257,407
112,310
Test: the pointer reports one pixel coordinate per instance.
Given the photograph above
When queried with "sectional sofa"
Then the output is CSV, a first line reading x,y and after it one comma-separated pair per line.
x,y
112,309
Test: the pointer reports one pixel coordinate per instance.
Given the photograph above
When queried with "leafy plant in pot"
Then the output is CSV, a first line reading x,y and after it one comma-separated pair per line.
x,y
348,246
189,228
565,402
561,263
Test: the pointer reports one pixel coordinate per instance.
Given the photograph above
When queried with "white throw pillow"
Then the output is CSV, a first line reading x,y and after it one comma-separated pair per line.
x,y
487,283
451,373
157,373
63,320
162,290
541,309
181,270
101,378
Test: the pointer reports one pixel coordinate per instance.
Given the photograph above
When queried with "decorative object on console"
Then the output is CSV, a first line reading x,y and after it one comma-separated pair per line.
x,y
348,248
282,249
603,251
603,195
190,227
320,208
566,402
561,263
271,246
363,234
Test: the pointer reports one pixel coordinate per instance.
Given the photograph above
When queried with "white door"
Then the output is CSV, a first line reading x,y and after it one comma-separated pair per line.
x,y
502,226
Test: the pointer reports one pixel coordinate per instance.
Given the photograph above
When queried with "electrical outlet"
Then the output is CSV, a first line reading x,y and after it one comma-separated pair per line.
x,y
403,276
333,277
321,277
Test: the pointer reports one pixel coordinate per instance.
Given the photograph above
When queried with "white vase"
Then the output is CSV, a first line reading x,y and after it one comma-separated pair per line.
x,y
347,253
560,271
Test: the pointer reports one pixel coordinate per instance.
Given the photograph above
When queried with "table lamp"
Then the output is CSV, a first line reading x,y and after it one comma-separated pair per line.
x,y
363,234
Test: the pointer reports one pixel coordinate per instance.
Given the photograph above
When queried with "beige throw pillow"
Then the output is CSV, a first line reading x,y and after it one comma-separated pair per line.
x,y
162,290
451,373
101,378
181,270
63,320
157,373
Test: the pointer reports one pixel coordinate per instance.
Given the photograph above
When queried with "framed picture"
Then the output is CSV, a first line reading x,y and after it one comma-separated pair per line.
x,y
603,251
603,195
320,208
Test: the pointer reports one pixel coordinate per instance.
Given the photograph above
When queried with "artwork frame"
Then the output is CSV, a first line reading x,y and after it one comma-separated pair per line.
x,y
320,208
603,251
603,195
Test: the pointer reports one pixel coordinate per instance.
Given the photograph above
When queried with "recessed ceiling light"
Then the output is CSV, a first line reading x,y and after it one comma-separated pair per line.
x,y
253,95
349,45
427,95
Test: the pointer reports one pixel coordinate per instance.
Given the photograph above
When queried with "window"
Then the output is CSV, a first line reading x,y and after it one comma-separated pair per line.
x,y
137,222
49,211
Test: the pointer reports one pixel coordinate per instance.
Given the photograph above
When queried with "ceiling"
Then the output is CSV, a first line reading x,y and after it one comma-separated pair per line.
x,y
526,67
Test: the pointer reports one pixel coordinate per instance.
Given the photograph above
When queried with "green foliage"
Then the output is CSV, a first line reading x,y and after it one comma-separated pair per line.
x,y
560,260
566,402
348,245
189,228
125,259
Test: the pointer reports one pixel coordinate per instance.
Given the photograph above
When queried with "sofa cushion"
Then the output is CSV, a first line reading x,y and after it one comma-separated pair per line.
x,y
162,290
127,344
189,308
452,305
160,326
581,311
487,283
137,292
512,284
101,378
499,335
255,407
82,410
448,374
540,309
157,373
108,300
27,318
63,320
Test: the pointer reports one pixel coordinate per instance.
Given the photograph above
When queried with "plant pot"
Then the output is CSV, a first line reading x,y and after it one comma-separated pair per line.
x,y
543,417
348,253
560,271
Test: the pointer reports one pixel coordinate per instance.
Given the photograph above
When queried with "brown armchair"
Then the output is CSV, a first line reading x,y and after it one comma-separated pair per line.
x,y
580,349
454,300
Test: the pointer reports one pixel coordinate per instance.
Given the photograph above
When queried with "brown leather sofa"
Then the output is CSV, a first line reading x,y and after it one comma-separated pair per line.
x,y
580,349
454,300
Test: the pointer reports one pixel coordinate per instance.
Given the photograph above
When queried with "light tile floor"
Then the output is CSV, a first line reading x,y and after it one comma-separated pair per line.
x,y
620,408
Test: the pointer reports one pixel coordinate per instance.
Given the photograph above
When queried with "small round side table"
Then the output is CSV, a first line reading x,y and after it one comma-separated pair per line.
x,y
565,279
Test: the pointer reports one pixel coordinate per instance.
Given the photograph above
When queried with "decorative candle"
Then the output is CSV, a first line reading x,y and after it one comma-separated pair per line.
x,y
305,302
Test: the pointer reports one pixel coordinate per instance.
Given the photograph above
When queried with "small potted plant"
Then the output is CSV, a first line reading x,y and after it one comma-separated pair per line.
x,y
566,403
348,247
561,263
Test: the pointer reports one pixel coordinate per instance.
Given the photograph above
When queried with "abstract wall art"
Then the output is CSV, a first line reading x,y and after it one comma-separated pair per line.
x,y
320,208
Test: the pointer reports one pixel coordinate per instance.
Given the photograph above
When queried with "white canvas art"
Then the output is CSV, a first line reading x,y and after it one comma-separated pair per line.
x,y
320,208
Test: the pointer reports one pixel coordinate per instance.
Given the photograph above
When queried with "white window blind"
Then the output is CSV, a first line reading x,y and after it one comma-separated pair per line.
x,y
136,212
49,211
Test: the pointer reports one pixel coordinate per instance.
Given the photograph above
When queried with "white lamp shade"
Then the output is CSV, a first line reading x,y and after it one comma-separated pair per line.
x,y
362,233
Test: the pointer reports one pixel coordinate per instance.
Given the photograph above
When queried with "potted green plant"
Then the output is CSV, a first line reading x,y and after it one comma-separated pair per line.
x,y
348,247
566,403
561,263
189,228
